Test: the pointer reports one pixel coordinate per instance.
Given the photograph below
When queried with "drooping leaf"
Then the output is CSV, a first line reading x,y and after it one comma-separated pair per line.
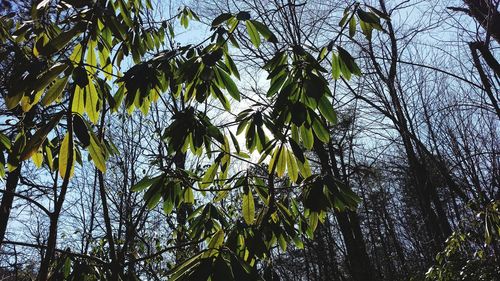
x,y
281,164
297,151
264,31
307,137
253,33
209,176
348,60
320,131
221,18
231,65
66,161
61,40
248,208
54,91
229,84
78,104
313,220
326,109
39,137
188,196
153,195
97,154
216,242
91,102
352,27
335,66
91,57
38,158
292,168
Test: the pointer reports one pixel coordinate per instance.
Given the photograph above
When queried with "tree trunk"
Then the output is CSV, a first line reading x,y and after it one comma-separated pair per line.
x,y
357,257
486,14
7,199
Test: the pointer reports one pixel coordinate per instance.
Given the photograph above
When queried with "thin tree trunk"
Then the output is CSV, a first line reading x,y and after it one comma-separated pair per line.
x,y
7,200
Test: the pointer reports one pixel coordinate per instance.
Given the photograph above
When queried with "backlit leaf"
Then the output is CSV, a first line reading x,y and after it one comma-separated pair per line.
x,y
65,159
253,33
248,208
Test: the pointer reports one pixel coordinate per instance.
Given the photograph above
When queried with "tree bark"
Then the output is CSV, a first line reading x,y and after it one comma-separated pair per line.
x,y
359,264
486,14
7,200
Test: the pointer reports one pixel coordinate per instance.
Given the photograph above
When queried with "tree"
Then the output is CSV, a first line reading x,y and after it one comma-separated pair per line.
x,y
72,54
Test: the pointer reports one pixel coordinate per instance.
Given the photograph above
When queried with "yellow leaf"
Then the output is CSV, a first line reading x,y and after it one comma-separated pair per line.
x,y
76,56
280,168
304,168
50,159
188,196
248,208
217,240
91,57
292,166
97,154
91,102
78,100
38,158
64,159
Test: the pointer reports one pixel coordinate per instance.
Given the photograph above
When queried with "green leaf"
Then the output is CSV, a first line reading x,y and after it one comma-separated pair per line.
x,y
58,42
231,65
229,84
37,158
304,168
366,28
281,165
297,151
221,18
293,171
368,17
64,160
253,33
168,206
91,57
92,102
313,220
220,96
81,131
320,131
326,109
4,140
153,195
235,142
97,154
209,176
144,183
216,242
344,19
273,161
78,105
50,75
243,15
307,137
188,196
39,137
248,208
67,267
76,56
264,31
276,84
352,27
54,91
349,61
335,66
